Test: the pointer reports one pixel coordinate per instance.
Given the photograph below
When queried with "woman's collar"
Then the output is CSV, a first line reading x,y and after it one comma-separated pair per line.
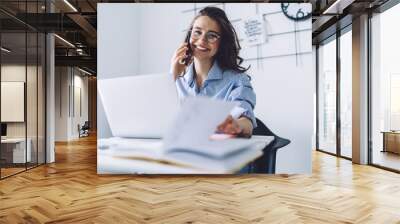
x,y
214,73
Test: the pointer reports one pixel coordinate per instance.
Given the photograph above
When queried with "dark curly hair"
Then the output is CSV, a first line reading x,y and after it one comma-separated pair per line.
x,y
228,53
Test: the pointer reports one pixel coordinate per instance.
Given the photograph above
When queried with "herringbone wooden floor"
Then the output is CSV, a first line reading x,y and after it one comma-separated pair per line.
x,y
70,191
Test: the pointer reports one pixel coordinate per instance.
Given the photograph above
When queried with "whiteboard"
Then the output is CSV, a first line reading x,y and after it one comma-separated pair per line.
x,y
12,101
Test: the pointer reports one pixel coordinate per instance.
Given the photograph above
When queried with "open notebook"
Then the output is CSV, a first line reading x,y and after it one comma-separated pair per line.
x,y
150,156
235,154
188,142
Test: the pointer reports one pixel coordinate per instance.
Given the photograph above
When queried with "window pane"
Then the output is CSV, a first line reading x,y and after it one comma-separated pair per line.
x,y
22,102
31,101
386,89
14,153
41,98
346,93
327,97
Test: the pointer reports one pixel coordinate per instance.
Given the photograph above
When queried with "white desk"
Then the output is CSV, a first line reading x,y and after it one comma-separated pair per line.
x,y
19,149
108,163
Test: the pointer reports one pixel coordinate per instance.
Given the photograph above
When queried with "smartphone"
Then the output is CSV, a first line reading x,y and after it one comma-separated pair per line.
x,y
189,52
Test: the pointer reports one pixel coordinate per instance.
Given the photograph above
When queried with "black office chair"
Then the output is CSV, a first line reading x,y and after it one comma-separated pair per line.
x,y
267,162
84,130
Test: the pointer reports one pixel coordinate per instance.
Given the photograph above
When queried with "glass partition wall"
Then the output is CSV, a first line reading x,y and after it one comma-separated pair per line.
x,y
385,89
334,111
327,96
334,80
22,88
346,95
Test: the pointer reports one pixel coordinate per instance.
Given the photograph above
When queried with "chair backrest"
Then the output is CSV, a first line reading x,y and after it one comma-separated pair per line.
x,y
262,129
267,163
86,125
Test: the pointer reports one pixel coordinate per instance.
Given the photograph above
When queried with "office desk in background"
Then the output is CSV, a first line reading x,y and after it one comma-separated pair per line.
x,y
391,141
108,163
13,150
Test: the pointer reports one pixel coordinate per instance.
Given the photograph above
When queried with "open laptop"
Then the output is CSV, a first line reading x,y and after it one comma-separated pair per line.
x,y
141,106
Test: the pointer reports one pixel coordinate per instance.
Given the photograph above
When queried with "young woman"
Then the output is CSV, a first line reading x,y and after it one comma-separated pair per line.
x,y
208,64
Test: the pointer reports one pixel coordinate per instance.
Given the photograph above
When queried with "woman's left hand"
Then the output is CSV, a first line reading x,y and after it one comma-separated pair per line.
x,y
230,126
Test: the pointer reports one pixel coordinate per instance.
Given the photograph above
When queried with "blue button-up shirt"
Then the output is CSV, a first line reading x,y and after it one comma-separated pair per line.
x,y
225,85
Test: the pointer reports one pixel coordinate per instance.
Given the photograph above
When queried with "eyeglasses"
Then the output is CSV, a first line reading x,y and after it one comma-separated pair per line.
x,y
211,36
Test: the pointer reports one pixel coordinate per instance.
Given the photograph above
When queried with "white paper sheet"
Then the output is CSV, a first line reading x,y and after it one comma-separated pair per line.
x,y
196,121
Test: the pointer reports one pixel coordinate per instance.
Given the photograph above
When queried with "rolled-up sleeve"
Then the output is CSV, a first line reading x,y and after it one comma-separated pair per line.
x,y
181,88
243,93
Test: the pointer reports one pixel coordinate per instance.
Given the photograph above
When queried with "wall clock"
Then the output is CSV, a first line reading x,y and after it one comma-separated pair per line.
x,y
296,11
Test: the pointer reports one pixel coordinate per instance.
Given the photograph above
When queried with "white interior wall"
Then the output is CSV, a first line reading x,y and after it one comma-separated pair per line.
x,y
68,80
79,117
285,105
284,85
84,97
16,72
117,53
61,103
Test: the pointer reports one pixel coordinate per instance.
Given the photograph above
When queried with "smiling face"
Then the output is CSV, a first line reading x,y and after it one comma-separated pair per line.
x,y
205,38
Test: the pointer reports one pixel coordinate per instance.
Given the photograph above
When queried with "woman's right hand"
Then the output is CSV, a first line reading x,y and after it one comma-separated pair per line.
x,y
176,67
